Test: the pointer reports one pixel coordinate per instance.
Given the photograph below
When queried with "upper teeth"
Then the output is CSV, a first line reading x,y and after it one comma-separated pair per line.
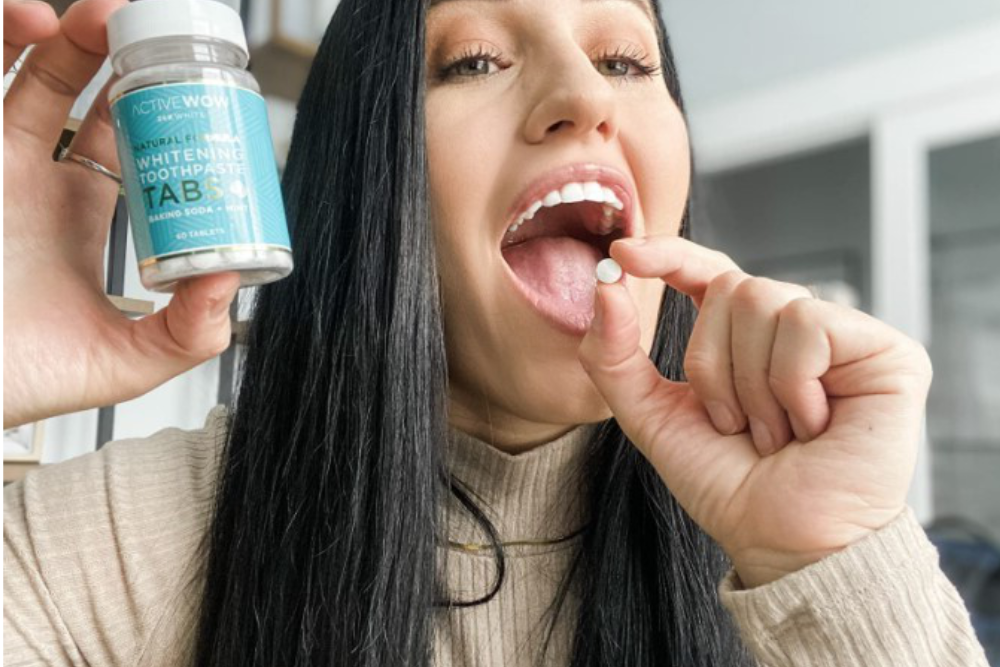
x,y
569,194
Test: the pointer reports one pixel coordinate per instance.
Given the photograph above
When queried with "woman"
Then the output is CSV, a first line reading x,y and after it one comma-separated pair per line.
x,y
424,356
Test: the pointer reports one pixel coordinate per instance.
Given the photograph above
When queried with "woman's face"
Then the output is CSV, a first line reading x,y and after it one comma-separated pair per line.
x,y
526,98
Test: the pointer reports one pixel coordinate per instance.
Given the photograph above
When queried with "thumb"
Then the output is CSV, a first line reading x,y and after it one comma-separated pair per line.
x,y
622,371
191,329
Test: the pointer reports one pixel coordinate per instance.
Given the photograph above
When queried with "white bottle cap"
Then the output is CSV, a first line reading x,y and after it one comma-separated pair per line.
x,y
146,19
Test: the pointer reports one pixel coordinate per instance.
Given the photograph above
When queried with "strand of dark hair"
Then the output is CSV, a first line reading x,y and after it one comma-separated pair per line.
x,y
322,544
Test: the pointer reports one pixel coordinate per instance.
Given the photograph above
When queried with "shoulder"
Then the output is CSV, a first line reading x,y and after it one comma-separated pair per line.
x,y
169,469
101,541
132,480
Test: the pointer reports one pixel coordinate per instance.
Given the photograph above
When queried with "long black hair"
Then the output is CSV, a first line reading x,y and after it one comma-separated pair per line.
x,y
322,544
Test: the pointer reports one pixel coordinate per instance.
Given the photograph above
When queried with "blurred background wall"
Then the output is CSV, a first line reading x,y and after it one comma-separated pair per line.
x,y
856,146
853,146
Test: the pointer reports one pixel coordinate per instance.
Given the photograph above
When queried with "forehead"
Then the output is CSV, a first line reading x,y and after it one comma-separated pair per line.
x,y
642,5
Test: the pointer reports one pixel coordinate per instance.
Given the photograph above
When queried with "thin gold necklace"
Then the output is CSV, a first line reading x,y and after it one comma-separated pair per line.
x,y
473,547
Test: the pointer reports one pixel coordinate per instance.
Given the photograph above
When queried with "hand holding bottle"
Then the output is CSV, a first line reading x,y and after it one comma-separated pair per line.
x,y
66,346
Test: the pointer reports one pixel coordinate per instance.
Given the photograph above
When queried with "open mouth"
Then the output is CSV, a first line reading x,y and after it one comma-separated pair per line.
x,y
554,245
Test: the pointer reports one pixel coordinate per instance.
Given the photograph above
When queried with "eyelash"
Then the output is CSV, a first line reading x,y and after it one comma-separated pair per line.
x,y
631,55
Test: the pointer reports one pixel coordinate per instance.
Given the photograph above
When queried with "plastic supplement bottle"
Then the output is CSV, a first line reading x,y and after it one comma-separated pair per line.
x,y
198,167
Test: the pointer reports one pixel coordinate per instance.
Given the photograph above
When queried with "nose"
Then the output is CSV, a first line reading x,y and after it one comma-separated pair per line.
x,y
573,98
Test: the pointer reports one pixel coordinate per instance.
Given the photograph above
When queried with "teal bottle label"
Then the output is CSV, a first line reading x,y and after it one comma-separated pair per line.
x,y
198,168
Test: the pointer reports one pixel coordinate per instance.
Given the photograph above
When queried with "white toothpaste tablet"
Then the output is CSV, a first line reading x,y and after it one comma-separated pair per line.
x,y
609,271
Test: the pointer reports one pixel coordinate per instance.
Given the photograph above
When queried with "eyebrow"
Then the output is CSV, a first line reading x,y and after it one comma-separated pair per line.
x,y
643,5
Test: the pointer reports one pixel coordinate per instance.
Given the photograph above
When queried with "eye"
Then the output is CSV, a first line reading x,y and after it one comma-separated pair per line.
x,y
471,64
627,63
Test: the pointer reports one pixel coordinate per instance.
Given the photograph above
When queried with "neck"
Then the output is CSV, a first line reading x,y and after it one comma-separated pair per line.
x,y
505,431
530,497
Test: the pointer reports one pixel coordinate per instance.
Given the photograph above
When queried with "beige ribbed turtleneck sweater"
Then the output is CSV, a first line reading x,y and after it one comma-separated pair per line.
x,y
95,550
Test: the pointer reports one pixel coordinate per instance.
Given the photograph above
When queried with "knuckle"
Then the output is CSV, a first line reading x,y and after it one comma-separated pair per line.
x,y
54,81
920,360
616,369
747,385
754,293
785,290
700,364
760,293
781,385
911,379
725,283
799,312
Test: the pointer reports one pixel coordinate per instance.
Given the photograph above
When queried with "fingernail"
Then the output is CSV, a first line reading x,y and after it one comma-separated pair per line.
x,y
801,433
722,417
761,436
633,241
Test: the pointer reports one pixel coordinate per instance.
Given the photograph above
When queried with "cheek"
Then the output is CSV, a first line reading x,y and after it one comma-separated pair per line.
x,y
444,163
659,151
448,160
463,158
462,162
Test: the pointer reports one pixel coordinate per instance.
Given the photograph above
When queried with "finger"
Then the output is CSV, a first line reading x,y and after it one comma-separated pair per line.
x,y
621,370
57,70
708,360
756,304
661,418
25,23
800,357
191,329
682,264
849,352
96,138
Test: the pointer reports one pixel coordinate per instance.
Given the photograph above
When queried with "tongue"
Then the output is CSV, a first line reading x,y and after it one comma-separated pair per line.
x,y
558,268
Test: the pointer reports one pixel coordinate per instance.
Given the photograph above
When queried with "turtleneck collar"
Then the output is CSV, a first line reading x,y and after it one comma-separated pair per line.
x,y
534,495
